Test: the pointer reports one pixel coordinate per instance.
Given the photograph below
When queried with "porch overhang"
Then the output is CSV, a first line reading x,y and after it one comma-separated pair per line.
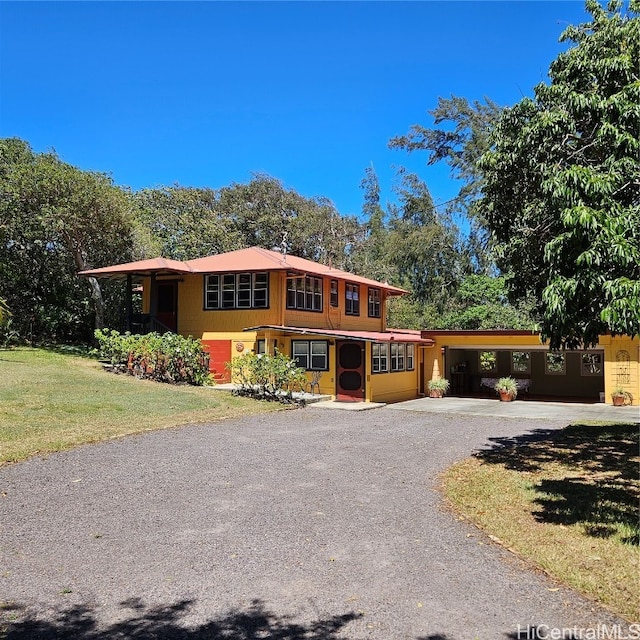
x,y
139,269
360,336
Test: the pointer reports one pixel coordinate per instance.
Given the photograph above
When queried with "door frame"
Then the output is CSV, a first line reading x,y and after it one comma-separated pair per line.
x,y
363,370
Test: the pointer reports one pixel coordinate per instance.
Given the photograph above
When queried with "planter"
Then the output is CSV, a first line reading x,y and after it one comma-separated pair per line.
x,y
506,396
436,393
618,401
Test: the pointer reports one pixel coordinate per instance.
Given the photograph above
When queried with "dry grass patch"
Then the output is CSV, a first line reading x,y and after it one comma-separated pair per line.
x,y
567,500
51,401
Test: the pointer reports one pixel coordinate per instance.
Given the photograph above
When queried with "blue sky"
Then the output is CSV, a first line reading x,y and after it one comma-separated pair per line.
x,y
204,93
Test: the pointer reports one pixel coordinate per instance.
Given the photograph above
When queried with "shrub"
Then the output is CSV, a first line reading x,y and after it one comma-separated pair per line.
x,y
167,358
267,377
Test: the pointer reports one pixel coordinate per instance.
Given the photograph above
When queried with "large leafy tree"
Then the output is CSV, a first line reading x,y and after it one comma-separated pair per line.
x,y
562,184
56,220
459,138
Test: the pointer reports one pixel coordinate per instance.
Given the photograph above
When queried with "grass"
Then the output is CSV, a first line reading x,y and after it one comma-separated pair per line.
x,y
568,501
51,401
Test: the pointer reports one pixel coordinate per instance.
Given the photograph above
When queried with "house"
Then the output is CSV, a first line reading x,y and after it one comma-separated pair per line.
x,y
333,323
472,360
330,321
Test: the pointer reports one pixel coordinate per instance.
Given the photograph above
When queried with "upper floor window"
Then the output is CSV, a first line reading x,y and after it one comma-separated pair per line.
x,y
352,299
334,293
304,293
236,291
374,303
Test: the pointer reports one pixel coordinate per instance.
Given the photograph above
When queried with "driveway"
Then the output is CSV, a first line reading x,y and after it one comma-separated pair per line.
x,y
299,524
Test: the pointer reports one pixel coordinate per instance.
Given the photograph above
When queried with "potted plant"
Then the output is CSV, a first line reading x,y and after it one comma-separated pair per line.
x,y
507,389
438,387
621,397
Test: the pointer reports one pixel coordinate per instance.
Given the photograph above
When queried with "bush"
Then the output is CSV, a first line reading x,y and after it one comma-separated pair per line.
x,y
267,377
165,358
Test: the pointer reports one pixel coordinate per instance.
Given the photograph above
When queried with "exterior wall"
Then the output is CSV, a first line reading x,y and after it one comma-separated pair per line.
x,y
618,371
393,386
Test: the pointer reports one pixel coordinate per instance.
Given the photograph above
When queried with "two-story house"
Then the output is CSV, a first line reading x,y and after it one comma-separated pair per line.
x,y
330,321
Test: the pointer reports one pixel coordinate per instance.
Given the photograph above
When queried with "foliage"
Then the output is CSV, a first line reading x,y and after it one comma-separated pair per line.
x,y
55,220
562,182
266,376
5,314
507,385
165,358
460,138
438,384
480,302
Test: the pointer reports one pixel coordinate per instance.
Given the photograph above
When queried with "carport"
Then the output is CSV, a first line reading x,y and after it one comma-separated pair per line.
x,y
473,360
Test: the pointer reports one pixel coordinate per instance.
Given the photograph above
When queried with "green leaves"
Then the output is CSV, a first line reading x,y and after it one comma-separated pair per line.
x,y
562,183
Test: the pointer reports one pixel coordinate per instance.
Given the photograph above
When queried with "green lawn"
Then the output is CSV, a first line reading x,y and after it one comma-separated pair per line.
x,y
51,401
567,501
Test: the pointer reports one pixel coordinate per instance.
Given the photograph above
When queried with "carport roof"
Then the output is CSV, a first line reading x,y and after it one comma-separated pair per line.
x,y
366,336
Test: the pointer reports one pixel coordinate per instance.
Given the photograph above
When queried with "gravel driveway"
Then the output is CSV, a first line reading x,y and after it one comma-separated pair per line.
x,y
299,524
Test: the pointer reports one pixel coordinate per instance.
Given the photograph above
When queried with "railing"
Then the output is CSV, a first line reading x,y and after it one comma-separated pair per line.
x,y
144,323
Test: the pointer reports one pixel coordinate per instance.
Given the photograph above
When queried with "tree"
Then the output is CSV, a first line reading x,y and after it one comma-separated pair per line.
x,y
561,191
460,138
54,221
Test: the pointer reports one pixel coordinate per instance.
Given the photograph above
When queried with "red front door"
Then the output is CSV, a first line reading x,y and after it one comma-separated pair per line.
x,y
350,371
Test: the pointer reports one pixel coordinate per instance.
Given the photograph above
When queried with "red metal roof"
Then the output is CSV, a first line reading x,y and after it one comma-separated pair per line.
x,y
251,259
140,267
367,336
258,259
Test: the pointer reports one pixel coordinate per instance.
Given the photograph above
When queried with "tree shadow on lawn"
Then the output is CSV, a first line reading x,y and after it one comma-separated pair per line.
x,y
602,487
81,622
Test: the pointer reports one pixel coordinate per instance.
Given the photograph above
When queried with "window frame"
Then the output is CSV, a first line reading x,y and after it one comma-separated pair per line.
x,y
598,362
309,355
494,368
550,372
222,291
334,299
377,359
514,365
411,358
305,293
351,303
374,302
397,361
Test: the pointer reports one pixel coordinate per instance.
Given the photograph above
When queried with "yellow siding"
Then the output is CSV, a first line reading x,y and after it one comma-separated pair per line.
x,y
619,373
393,386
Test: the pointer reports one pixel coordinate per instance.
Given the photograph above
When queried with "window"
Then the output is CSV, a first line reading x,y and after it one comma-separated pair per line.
x,y
304,294
312,355
352,302
410,357
236,291
555,363
397,356
379,358
520,362
488,361
374,303
334,293
261,346
591,364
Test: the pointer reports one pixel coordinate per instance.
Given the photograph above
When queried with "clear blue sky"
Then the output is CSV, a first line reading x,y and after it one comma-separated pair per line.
x,y
204,93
